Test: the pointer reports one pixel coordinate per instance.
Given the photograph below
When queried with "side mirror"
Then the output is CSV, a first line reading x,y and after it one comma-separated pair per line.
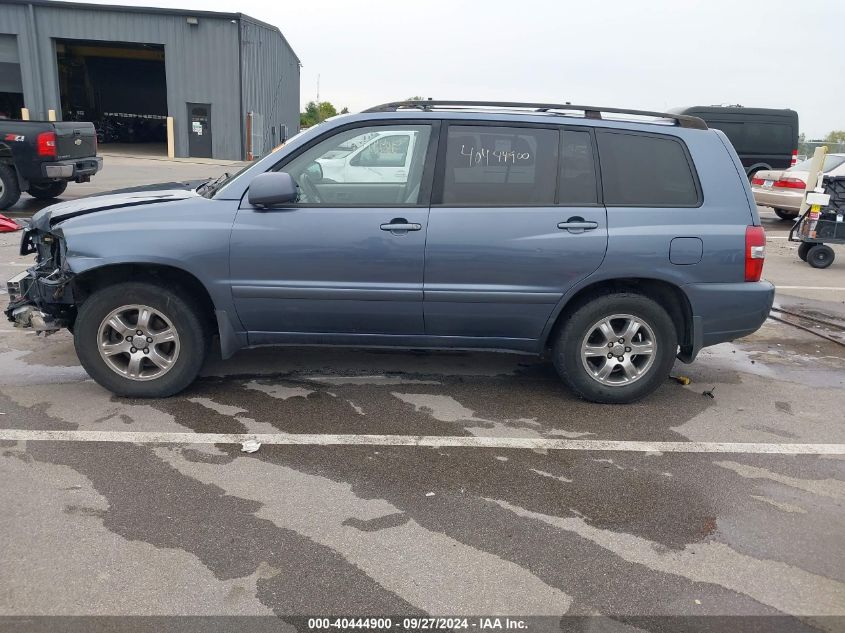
x,y
315,171
272,188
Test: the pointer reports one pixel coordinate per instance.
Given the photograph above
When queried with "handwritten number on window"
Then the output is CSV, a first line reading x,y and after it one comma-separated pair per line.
x,y
486,157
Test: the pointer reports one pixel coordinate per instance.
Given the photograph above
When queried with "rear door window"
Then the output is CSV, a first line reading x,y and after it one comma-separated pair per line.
x,y
577,184
498,166
646,171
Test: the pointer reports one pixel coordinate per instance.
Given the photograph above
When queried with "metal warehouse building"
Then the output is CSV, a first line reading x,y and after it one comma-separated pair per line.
x,y
229,82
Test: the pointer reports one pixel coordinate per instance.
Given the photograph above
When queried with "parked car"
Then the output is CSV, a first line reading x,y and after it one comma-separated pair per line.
x,y
611,246
764,138
41,157
380,157
784,190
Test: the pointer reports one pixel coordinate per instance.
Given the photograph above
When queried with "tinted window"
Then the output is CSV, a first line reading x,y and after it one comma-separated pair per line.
x,y
753,137
639,170
734,132
577,169
500,165
768,138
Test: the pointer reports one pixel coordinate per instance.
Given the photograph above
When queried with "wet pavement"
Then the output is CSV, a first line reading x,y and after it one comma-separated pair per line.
x,y
98,526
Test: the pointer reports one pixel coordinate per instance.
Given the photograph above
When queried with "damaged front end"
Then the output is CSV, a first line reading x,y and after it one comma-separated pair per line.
x,y
41,297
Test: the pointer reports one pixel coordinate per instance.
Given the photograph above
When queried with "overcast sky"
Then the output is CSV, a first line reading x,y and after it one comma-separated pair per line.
x,y
649,55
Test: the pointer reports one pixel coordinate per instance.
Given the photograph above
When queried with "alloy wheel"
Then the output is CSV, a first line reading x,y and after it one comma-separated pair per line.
x,y
138,342
619,350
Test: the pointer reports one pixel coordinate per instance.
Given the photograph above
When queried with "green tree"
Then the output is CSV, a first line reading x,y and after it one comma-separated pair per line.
x,y
836,136
316,112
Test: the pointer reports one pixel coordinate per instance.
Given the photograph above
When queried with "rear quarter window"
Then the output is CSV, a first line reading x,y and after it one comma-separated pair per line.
x,y
646,171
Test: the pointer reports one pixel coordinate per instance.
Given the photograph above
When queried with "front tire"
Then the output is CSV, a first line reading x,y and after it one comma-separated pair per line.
x,y
47,190
616,349
115,322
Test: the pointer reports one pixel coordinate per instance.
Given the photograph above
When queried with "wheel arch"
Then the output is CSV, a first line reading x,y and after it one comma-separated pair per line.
x,y
89,281
669,295
757,167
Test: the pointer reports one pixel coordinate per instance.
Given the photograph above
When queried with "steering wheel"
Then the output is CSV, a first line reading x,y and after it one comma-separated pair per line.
x,y
308,187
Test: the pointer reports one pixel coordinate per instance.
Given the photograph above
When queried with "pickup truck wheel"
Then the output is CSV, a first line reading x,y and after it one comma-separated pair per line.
x,y
10,192
785,215
140,340
616,349
47,190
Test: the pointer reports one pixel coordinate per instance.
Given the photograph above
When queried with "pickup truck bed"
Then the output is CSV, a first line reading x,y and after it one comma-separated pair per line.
x,y
41,157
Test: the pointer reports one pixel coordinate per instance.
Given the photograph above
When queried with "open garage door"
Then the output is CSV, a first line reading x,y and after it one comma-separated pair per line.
x,y
11,89
120,87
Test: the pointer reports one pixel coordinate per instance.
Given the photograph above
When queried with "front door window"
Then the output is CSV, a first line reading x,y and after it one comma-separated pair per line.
x,y
377,165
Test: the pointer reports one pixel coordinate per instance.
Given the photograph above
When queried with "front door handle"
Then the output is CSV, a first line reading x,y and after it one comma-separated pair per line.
x,y
577,224
400,226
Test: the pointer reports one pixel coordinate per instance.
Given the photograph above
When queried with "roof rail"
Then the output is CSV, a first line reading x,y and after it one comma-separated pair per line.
x,y
590,112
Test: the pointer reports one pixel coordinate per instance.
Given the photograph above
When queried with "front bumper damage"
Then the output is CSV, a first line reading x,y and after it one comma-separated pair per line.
x,y
41,297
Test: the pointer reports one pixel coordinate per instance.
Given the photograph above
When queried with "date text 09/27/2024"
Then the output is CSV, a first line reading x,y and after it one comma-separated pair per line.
x,y
418,624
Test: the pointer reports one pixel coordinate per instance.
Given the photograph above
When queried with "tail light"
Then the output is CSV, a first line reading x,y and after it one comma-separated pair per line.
x,y
757,181
755,252
794,158
46,144
790,183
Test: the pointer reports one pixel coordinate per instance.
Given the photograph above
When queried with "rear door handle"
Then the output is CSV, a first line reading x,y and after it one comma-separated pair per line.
x,y
400,224
577,224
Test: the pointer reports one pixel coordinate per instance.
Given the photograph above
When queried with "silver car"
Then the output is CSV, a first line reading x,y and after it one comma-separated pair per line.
x,y
783,190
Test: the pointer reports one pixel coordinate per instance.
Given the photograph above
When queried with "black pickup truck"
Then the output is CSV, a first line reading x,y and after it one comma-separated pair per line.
x,y
41,157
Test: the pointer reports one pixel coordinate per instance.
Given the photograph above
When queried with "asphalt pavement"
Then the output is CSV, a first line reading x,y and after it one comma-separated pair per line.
x,y
443,483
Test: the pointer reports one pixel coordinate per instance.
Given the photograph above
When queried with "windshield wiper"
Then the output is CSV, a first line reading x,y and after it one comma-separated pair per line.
x,y
210,186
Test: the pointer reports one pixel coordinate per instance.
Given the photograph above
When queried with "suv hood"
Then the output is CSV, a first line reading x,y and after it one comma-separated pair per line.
x,y
52,215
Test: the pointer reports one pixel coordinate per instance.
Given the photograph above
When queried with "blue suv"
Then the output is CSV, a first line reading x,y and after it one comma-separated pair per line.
x,y
611,240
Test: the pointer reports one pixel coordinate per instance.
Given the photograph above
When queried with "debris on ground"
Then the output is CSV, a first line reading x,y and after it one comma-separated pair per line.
x,y
681,380
709,393
8,225
429,494
250,446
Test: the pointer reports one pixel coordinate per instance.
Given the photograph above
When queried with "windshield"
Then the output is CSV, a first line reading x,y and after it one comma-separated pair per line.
x,y
211,187
831,162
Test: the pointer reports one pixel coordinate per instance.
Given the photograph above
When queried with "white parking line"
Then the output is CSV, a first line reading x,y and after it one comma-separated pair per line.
x,y
779,287
440,441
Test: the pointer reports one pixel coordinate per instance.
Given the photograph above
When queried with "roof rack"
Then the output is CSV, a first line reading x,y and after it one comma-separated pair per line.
x,y
590,112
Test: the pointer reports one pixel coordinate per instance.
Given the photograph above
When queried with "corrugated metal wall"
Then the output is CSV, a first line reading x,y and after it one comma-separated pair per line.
x,y
270,81
13,21
201,64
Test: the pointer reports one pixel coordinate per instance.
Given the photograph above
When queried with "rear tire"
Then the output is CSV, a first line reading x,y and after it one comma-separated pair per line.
x,y
169,363
47,190
584,335
820,256
785,215
10,191
803,249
